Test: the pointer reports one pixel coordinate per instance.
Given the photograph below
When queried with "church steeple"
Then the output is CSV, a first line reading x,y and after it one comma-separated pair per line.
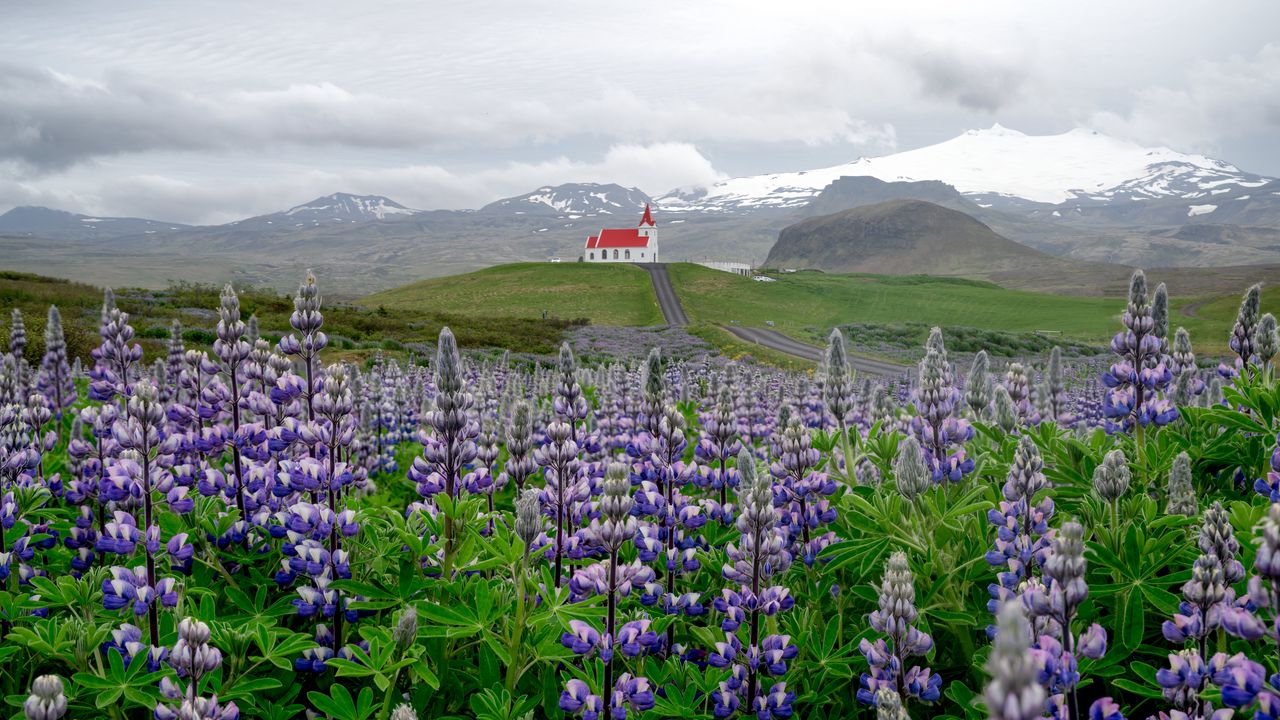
x,y
648,217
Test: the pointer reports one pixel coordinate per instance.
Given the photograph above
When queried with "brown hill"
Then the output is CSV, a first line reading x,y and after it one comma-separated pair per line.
x,y
901,237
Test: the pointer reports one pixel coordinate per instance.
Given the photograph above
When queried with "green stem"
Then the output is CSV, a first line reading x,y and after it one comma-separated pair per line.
x,y
517,636
389,696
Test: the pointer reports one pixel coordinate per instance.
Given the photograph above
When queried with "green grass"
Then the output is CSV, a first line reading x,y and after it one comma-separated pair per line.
x,y
600,294
806,305
356,332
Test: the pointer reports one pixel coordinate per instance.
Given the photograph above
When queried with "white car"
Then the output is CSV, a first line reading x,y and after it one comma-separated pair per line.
x,y
764,278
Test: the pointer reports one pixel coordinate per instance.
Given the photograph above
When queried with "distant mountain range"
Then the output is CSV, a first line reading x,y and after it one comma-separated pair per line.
x,y
1079,195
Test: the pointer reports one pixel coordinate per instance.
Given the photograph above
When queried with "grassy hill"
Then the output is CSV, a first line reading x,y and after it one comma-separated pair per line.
x,y
601,294
806,305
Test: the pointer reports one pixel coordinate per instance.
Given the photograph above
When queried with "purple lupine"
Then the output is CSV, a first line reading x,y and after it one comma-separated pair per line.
x,y
1053,605
570,404
519,465
192,657
1023,536
719,443
307,320
46,701
1137,382
801,494
1188,671
669,539
564,493
942,433
232,349
54,380
449,445
115,358
1244,333
1182,363
141,473
887,656
759,556
611,531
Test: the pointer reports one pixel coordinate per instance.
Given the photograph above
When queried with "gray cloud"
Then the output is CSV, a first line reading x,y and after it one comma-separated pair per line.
x,y
204,112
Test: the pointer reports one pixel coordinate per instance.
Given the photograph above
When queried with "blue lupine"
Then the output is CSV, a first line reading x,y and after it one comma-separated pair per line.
x,y
887,656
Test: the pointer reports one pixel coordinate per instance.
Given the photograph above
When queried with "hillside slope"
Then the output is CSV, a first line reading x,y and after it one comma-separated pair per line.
x,y
899,237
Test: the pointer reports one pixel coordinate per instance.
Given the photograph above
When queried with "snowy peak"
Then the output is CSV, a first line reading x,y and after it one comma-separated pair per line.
x,y
1080,164
344,207
572,201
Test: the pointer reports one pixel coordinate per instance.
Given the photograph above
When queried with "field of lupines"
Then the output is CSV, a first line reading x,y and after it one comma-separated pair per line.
x,y
255,533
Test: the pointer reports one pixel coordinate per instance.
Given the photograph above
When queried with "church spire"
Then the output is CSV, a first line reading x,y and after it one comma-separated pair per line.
x,y
648,218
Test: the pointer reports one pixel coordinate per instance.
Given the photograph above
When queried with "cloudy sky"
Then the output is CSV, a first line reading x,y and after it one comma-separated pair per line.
x,y
205,112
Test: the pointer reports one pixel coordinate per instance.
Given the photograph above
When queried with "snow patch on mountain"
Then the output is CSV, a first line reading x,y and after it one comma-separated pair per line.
x,y
347,207
1077,165
573,199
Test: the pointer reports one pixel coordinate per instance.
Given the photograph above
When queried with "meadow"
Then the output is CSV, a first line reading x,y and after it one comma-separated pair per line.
x,y
268,528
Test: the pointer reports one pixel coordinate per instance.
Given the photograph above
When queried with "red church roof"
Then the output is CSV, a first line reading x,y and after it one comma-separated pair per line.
x,y
623,237
618,238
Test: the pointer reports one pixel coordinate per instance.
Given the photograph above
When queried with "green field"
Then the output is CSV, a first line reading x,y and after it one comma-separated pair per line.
x,y
807,304
602,294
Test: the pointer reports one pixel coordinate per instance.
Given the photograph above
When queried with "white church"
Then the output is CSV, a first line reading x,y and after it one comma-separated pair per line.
x,y
637,245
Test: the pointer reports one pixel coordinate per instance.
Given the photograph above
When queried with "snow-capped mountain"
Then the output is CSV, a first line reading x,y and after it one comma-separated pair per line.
x,y
346,207
573,200
59,224
335,209
1079,165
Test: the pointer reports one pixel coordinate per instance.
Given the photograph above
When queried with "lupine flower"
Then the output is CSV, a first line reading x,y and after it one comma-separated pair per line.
x,y
1217,537
942,433
1267,339
895,619
1056,396
1013,692
1111,478
1136,384
1182,363
54,380
910,470
978,387
837,382
1004,409
1244,333
760,554
801,493
193,657
889,705
46,701
520,464
404,712
1023,537
614,527
1181,494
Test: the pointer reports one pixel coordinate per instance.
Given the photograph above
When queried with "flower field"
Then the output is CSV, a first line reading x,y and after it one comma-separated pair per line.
x,y
256,531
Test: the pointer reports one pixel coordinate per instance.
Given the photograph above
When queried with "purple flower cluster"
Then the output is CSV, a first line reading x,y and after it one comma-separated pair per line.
x,y
1137,383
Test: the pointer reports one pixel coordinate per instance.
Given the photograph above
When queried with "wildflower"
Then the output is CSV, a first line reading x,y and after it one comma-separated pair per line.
x,y
910,472
1181,494
942,433
896,618
978,387
1013,692
1137,382
46,701
1111,478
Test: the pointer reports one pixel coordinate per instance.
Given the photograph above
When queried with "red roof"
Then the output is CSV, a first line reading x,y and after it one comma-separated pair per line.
x,y
618,238
648,218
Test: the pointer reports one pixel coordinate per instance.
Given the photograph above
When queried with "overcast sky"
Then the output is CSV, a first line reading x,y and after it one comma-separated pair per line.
x,y
206,112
